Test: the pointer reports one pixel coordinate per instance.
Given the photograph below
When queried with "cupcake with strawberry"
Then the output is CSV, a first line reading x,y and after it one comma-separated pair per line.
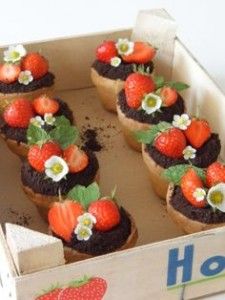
x,y
196,197
146,101
184,141
55,164
91,225
115,61
23,74
42,112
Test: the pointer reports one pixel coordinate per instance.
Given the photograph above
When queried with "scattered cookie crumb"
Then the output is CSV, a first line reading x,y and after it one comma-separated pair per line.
x,y
90,140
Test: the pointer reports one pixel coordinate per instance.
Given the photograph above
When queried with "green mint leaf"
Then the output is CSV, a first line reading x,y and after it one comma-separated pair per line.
x,y
175,173
148,136
61,121
177,85
64,135
85,195
159,81
36,135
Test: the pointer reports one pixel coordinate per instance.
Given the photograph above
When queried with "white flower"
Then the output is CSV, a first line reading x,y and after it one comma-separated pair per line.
x,y
182,122
87,220
216,196
151,103
115,61
83,232
37,121
124,46
25,77
49,119
189,152
56,168
14,53
199,194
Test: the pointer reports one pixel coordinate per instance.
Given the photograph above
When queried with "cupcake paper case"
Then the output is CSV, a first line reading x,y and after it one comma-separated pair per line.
x,y
185,141
23,74
90,224
196,197
115,61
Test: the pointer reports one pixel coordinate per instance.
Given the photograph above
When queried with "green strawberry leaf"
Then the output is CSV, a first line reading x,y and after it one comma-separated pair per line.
x,y
80,282
64,135
177,85
85,195
159,81
61,121
148,136
175,173
36,135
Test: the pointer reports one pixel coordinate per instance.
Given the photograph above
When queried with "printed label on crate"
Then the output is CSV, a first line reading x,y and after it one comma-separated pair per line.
x,y
181,264
85,288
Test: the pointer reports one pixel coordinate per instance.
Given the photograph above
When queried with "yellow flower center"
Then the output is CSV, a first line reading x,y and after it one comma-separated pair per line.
x,y
86,222
15,55
124,47
216,197
84,233
57,168
151,102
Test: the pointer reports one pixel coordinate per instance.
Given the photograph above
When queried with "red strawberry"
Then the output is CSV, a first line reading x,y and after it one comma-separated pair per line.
x,y
169,95
19,113
106,213
143,53
106,51
62,218
198,132
171,143
215,173
43,104
35,63
136,86
76,159
9,73
37,155
52,295
189,183
93,289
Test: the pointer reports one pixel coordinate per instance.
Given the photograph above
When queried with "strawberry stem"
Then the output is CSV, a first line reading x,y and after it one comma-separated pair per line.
x,y
60,195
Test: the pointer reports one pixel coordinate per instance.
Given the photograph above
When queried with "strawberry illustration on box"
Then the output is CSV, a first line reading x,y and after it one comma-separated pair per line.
x,y
86,288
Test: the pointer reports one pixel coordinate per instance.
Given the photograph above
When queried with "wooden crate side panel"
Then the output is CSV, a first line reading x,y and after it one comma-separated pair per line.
x,y
7,270
204,97
191,266
70,59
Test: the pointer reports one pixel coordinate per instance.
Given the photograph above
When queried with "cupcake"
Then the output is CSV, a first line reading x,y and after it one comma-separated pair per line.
x,y
185,141
23,74
196,198
115,61
42,111
146,101
55,164
91,225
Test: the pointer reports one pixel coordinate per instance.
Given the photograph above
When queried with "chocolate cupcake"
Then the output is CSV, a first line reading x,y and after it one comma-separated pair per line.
x,y
91,225
42,111
185,141
23,75
55,164
196,198
146,101
115,61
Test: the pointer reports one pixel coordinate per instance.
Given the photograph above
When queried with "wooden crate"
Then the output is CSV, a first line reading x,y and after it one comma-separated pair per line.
x,y
165,264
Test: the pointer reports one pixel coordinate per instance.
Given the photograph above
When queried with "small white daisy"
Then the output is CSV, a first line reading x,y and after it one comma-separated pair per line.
x,y
83,233
199,194
216,196
25,77
56,168
14,53
49,119
115,61
151,103
37,121
182,122
189,152
124,46
87,220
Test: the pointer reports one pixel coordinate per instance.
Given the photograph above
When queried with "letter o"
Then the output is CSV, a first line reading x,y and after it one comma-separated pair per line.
x,y
206,266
